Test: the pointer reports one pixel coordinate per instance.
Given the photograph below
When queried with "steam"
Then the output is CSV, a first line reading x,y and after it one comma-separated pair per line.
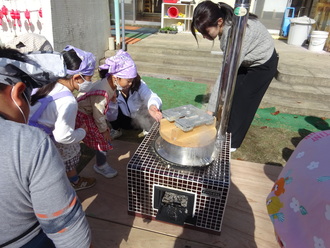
x,y
143,120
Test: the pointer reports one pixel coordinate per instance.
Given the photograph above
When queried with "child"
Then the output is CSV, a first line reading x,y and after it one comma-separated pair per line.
x,y
54,109
258,63
299,202
136,106
38,206
93,106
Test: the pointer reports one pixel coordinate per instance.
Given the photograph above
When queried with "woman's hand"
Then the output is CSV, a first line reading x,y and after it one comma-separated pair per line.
x,y
155,113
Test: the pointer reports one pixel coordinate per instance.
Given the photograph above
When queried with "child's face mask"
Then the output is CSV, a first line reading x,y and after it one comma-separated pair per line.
x,y
118,86
126,82
85,86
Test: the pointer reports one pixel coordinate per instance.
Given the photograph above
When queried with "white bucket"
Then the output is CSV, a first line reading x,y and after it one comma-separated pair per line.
x,y
317,40
300,29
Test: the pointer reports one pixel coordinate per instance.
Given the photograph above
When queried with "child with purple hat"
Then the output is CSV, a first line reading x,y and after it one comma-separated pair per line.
x,y
93,106
38,206
136,106
54,109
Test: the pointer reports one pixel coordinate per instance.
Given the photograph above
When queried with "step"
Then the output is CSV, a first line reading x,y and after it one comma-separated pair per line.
x,y
302,75
196,73
208,81
183,41
153,50
173,60
293,106
300,92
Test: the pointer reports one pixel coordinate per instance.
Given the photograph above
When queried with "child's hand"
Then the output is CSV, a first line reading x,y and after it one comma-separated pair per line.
x,y
155,113
84,126
106,135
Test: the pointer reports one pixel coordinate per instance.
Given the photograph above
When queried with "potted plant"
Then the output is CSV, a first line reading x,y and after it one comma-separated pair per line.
x,y
163,30
173,30
170,30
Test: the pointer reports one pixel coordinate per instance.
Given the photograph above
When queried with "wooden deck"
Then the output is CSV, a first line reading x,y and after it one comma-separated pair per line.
x,y
245,224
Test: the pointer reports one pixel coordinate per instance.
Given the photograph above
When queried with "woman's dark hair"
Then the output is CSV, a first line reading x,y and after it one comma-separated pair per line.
x,y
72,62
207,14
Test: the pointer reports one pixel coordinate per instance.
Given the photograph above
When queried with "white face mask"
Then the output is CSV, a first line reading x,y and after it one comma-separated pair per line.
x,y
85,86
19,108
118,86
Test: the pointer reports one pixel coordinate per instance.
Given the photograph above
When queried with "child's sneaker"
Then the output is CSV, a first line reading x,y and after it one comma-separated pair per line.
x,y
115,133
106,170
143,133
84,183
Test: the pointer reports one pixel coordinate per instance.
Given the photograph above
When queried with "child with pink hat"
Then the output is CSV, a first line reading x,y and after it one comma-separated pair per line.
x,y
93,106
136,106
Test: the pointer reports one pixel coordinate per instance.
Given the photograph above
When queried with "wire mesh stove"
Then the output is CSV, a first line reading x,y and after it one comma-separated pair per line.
x,y
192,197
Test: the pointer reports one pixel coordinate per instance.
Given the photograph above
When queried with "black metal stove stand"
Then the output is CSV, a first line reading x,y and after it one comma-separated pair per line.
x,y
194,197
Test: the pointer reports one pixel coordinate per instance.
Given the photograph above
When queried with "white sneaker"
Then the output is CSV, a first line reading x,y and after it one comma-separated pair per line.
x,y
233,149
143,134
105,170
115,133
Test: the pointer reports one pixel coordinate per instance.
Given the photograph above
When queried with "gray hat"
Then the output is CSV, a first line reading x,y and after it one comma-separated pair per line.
x,y
40,68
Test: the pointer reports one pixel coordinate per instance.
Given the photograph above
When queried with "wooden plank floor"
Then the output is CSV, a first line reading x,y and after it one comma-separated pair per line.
x,y
245,224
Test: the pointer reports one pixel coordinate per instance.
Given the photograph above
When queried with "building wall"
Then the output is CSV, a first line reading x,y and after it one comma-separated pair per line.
x,y
81,23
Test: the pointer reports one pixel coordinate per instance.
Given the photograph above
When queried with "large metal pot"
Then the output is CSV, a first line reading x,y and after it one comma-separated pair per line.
x,y
185,156
186,136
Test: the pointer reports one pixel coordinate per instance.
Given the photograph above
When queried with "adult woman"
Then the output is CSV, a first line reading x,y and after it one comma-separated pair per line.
x,y
258,63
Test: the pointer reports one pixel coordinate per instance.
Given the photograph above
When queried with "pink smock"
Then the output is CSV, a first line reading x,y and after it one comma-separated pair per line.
x,y
299,203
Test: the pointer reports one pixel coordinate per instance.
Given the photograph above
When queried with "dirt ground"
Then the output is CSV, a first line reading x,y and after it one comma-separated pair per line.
x,y
268,145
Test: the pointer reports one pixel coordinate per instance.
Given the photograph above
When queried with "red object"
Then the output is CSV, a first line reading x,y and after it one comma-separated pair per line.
x,y
13,16
27,16
40,12
170,1
173,12
17,15
18,18
1,16
4,11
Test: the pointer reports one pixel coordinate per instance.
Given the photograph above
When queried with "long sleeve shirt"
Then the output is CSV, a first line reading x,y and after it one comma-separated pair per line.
x,y
34,188
142,98
60,115
257,48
